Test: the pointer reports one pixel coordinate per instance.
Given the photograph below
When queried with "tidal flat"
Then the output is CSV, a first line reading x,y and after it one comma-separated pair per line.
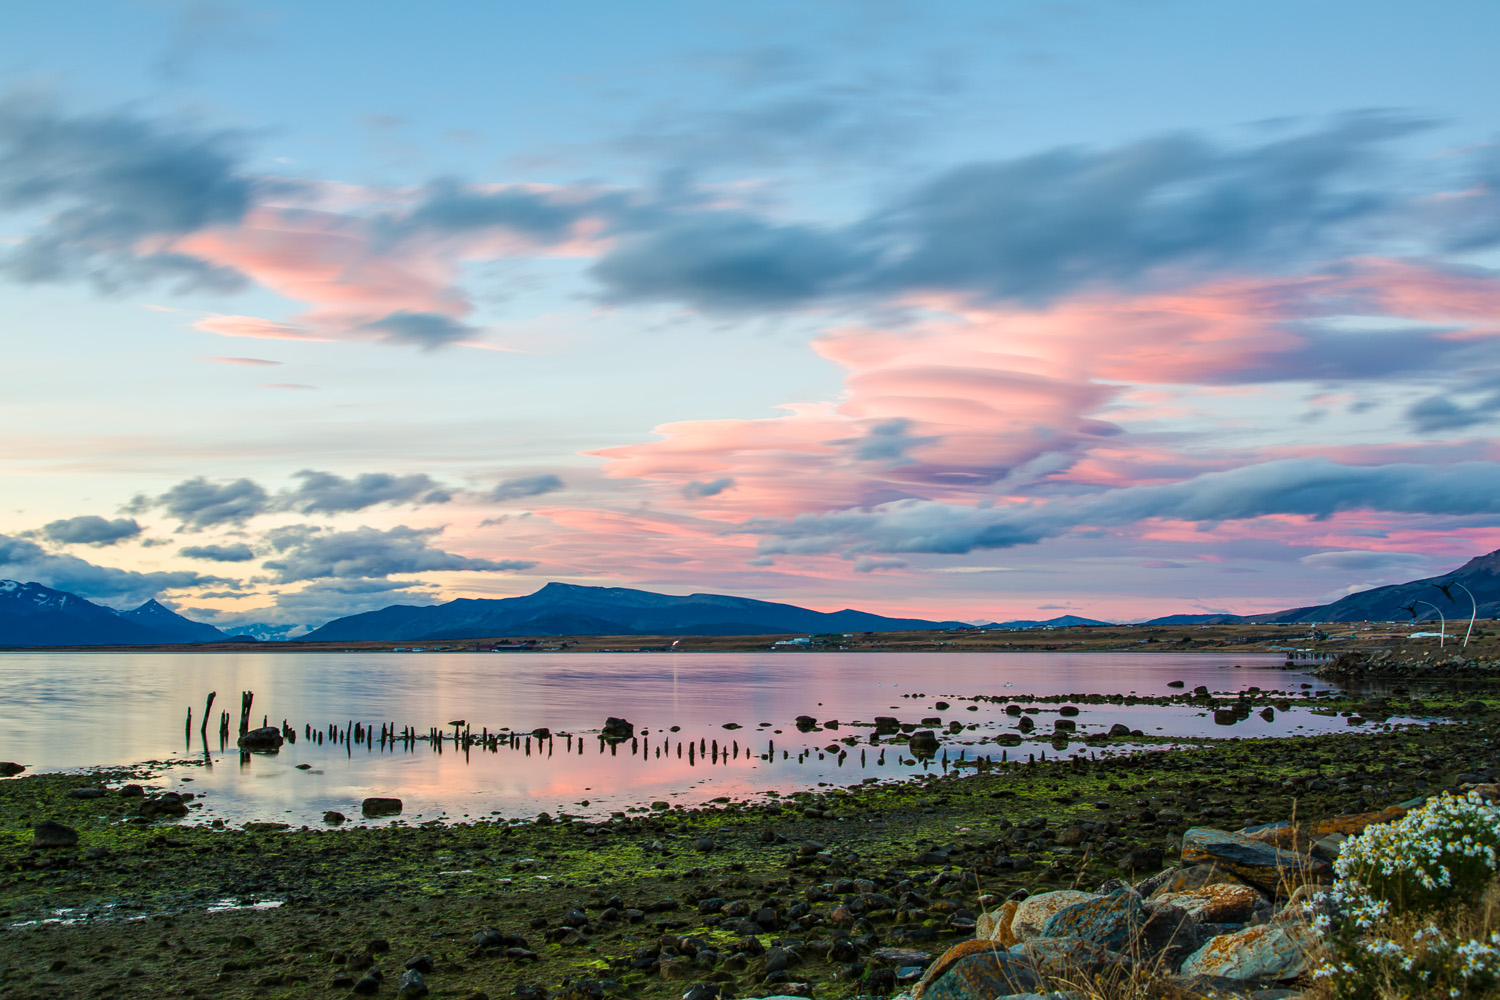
x,y
841,885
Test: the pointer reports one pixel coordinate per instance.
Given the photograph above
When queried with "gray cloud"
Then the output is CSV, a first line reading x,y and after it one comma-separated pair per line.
x,y
1034,228
326,493
1443,413
887,441
198,503
526,486
25,560
1360,560
869,564
423,329
310,553
453,207
1307,487
90,529
728,262
238,552
104,184
697,489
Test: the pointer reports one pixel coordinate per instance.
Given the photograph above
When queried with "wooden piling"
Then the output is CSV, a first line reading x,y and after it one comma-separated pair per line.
x,y
207,707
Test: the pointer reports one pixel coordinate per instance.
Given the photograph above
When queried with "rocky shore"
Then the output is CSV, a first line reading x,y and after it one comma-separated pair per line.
x,y
1387,664
856,892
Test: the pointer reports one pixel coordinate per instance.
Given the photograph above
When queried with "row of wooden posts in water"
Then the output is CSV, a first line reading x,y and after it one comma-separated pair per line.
x,y
352,734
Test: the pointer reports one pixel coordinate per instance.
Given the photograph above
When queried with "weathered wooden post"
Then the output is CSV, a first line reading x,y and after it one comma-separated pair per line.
x,y
203,730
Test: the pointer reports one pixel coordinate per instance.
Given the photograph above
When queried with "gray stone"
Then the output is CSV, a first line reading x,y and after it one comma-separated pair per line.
x,y
1064,956
1266,952
976,970
1270,869
48,833
1109,921
266,739
412,984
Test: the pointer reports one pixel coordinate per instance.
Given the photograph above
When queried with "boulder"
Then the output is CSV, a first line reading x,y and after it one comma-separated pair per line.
x,y
1183,877
1107,921
1034,911
377,806
1119,729
972,970
618,729
923,742
1273,951
334,817
1221,903
995,926
9,769
1270,869
1064,957
48,833
1301,836
266,739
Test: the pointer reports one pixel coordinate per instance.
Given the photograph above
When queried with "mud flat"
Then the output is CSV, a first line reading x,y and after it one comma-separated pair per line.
x,y
843,890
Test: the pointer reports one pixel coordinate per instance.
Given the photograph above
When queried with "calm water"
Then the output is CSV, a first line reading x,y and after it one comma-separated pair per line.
x,y
62,711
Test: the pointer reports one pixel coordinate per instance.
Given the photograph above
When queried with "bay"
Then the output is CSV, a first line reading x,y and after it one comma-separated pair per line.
x,y
62,711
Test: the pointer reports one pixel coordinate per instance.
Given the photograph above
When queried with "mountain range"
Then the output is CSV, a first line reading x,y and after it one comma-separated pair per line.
x,y
33,615
568,609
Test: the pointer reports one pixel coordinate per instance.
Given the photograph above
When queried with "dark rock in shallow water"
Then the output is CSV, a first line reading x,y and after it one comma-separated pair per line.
x,y
266,739
334,818
618,729
9,769
376,806
48,833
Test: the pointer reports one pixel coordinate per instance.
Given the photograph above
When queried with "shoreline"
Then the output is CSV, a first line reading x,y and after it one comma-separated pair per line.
x,y
1323,641
428,889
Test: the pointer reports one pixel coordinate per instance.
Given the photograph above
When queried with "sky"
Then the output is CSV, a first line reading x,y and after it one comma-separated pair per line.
x,y
973,310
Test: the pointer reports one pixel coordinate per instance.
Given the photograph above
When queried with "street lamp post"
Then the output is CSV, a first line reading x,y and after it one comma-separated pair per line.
x,y
1446,588
1411,609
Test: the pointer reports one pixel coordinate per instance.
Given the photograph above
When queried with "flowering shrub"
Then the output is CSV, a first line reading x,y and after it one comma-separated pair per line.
x,y
1404,917
1442,853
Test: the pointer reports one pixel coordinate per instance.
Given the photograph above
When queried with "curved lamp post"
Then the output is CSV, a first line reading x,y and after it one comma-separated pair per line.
x,y
1447,589
1411,609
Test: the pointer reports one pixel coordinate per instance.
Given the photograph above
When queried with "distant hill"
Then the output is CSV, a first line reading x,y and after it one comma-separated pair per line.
x,y
1480,574
159,619
1196,620
568,609
1065,621
34,615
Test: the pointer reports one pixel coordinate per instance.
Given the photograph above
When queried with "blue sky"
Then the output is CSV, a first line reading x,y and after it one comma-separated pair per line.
x,y
967,309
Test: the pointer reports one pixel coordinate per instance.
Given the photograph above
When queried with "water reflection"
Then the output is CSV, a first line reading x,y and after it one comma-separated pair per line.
x,y
513,734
